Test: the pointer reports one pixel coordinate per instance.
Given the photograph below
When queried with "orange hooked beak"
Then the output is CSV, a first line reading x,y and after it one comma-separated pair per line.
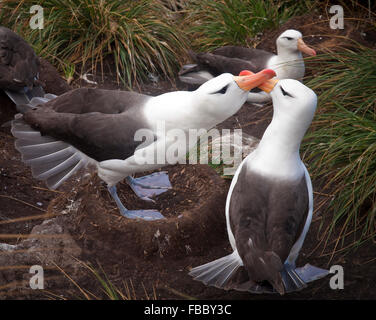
x,y
248,80
304,48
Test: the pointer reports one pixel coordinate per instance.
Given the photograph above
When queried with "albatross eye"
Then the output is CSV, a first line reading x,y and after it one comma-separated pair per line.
x,y
222,91
289,38
285,93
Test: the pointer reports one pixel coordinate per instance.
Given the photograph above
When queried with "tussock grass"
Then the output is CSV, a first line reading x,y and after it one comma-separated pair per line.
x,y
342,145
108,290
214,24
138,35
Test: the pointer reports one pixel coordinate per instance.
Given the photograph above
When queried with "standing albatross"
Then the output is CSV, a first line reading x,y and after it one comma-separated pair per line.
x,y
269,205
19,68
287,63
100,127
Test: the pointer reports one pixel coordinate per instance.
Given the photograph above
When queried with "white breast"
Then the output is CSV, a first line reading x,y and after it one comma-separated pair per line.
x,y
276,164
291,68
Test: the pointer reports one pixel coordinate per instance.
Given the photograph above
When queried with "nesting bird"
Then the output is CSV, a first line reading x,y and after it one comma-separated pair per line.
x,y
288,62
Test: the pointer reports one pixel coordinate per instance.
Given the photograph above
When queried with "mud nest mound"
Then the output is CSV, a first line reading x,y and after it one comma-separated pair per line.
x,y
194,209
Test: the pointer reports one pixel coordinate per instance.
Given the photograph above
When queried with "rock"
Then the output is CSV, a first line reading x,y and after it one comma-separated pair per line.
x,y
49,245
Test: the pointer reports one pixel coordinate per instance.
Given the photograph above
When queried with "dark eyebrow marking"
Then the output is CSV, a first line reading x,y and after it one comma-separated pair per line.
x,y
285,93
221,91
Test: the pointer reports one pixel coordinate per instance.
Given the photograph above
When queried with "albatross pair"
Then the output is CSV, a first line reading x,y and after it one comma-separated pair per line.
x,y
269,205
287,63
58,136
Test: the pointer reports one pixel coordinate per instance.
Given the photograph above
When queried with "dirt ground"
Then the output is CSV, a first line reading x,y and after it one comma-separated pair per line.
x,y
150,259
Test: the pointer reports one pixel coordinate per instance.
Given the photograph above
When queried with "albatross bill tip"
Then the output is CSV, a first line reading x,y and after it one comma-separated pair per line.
x,y
269,85
304,48
271,73
268,74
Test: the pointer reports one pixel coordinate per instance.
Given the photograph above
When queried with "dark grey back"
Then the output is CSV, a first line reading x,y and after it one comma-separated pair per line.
x,y
233,59
100,123
272,214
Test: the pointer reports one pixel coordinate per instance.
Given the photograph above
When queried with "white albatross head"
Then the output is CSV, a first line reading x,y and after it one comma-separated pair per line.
x,y
225,94
291,41
295,103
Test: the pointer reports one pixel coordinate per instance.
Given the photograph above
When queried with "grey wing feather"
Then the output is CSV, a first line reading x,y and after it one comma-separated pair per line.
x,y
24,96
256,57
51,160
218,272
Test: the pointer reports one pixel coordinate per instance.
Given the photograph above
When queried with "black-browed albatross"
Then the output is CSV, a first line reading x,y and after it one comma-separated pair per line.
x,y
288,62
269,205
94,126
19,68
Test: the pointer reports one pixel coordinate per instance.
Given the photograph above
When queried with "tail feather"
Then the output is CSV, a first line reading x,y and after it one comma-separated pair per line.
x,y
38,100
192,74
218,272
196,78
188,68
291,281
310,273
25,95
228,273
296,279
214,272
221,277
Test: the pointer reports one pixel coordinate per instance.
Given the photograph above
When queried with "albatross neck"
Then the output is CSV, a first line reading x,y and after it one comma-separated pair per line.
x,y
285,54
278,151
